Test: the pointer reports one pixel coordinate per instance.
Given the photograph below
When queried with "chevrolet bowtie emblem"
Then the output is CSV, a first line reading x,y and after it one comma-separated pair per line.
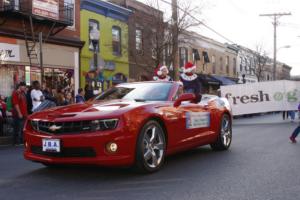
x,y
54,128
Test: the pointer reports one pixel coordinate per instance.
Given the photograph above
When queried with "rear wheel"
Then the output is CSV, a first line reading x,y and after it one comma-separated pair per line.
x,y
225,134
150,147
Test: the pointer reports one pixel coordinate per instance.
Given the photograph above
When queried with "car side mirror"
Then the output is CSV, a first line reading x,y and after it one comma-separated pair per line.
x,y
184,97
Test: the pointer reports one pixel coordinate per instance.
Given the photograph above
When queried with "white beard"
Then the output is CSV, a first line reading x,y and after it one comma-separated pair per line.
x,y
156,78
188,78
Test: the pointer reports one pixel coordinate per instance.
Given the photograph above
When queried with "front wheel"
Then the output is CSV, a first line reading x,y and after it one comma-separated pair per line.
x,y
225,134
150,147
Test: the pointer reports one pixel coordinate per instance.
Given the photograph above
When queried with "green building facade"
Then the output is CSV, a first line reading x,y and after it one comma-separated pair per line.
x,y
111,59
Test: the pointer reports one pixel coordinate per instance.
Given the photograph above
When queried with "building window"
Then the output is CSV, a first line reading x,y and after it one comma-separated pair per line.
x,y
234,66
183,56
227,64
139,40
154,44
70,13
116,40
205,57
213,61
221,64
196,55
93,24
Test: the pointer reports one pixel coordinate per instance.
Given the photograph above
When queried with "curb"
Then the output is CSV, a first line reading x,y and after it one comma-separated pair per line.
x,y
6,140
261,122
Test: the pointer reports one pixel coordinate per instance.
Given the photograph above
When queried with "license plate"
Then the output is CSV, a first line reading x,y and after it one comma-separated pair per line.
x,y
51,145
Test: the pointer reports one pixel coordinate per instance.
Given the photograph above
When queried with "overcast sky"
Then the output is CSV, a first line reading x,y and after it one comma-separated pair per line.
x,y
239,21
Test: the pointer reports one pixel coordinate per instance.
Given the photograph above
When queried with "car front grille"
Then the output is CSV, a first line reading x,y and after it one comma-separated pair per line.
x,y
66,152
75,127
62,127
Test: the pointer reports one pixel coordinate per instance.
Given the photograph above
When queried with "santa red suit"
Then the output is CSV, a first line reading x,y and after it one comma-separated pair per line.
x,y
161,74
190,80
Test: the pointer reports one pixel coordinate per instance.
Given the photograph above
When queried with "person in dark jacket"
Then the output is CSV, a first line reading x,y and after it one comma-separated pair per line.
x,y
89,91
296,131
80,96
190,80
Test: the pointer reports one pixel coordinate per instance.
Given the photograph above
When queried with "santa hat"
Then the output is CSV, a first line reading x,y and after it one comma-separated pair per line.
x,y
189,67
158,70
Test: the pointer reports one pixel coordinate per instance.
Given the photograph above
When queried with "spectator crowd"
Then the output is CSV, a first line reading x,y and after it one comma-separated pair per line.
x,y
26,100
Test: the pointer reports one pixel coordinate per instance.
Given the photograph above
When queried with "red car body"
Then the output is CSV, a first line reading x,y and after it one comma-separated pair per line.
x,y
90,147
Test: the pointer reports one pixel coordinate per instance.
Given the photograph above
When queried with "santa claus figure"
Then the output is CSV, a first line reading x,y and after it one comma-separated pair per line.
x,y
161,74
190,80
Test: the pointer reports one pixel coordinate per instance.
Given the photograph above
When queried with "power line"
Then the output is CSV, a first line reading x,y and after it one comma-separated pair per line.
x,y
203,24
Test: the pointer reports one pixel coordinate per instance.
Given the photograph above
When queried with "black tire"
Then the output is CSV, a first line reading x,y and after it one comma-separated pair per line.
x,y
225,134
150,154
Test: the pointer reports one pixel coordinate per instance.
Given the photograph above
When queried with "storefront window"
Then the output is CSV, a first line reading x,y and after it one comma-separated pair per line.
x,y
32,74
59,78
10,75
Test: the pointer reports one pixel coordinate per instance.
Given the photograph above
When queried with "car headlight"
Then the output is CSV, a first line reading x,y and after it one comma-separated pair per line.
x,y
104,124
34,124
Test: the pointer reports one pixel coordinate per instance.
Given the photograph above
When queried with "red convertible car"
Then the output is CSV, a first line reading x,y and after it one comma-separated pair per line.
x,y
132,124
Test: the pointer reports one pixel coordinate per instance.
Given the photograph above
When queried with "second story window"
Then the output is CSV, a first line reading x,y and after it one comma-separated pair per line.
x,y
69,7
227,64
221,64
116,40
183,57
234,66
93,24
213,61
139,40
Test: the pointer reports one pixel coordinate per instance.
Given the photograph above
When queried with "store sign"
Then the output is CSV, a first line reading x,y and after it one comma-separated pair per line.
x,y
46,8
110,65
262,97
9,52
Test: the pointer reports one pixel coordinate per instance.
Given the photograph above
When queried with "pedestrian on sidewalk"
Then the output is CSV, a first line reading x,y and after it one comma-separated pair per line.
x,y
80,96
296,131
2,114
285,115
19,112
36,95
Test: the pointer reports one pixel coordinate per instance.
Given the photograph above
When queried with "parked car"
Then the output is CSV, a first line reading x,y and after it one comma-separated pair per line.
x,y
132,124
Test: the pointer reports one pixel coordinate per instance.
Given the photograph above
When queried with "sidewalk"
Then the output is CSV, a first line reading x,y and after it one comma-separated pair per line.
x,y
264,119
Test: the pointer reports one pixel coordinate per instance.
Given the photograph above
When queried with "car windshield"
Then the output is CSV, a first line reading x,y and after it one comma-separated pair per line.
x,y
138,92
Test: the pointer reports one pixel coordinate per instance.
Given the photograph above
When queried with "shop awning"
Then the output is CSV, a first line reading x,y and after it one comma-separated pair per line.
x,y
208,80
224,80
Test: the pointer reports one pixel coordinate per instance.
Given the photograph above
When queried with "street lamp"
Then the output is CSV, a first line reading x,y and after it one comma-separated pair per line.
x,y
94,37
275,62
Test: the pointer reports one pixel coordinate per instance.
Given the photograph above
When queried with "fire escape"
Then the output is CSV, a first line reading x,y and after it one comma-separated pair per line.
x,y
34,23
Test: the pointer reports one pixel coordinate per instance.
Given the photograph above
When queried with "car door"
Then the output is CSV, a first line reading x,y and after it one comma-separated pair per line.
x,y
194,123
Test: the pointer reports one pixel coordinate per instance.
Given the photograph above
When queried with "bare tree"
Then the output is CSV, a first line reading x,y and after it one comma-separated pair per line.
x,y
260,59
163,37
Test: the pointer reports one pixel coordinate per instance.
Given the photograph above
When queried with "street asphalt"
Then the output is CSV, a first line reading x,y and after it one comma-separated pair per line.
x,y
261,165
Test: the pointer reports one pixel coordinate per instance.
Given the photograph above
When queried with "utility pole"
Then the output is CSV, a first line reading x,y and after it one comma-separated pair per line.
x,y
175,55
275,16
41,57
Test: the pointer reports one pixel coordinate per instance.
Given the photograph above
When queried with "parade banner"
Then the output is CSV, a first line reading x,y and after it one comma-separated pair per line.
x,y
262,96
46,8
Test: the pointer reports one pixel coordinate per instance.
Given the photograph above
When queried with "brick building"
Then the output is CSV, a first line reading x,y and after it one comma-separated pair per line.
x,y
21,24
145,38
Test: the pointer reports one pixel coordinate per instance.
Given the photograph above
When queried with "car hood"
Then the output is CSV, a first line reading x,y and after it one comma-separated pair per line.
x,y
89,110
